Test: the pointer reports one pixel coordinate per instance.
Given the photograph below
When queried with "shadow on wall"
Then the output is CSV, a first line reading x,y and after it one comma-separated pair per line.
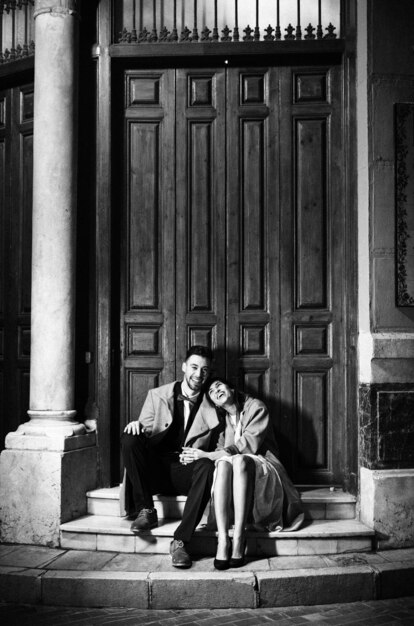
x,y
299,447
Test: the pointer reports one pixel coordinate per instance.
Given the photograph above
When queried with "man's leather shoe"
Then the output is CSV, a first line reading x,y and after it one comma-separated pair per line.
x,y
146,519
179,555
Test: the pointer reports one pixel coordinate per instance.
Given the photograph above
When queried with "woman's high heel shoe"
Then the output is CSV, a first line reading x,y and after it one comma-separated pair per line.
x,y
239,561
222,564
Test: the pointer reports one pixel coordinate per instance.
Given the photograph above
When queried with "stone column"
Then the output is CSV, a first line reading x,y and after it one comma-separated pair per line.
x,y
50,461
54,216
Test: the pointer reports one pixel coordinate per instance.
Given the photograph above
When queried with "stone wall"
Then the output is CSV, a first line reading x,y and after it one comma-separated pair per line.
x,y
386,330
390,80
386,400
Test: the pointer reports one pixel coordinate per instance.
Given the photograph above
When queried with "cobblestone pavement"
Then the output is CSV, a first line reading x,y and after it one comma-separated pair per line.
x,y
398,612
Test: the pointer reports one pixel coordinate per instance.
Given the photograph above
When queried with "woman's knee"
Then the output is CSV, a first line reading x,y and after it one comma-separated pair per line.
x,y
243,464
224,469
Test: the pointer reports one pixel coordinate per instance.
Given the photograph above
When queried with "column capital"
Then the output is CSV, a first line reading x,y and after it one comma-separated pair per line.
x,y
60,7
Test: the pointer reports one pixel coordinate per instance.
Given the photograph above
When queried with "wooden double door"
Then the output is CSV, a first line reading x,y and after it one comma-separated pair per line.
x,y
232,237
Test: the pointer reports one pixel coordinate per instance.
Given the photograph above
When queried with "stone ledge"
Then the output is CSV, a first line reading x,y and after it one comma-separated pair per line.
x,y
23,586
345,580
192,590
187,590
395,579
76,588
324,586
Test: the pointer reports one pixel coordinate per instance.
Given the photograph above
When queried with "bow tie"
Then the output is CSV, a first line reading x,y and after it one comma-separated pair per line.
x,y
182,397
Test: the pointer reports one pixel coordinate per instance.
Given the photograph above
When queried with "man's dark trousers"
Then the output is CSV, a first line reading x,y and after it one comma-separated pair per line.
x,y
150,471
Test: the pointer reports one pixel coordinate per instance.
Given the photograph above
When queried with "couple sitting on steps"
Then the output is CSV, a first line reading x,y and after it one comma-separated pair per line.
x,y
199,437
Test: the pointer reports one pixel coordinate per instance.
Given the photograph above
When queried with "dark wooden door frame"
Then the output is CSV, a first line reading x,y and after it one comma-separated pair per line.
x,y
106,363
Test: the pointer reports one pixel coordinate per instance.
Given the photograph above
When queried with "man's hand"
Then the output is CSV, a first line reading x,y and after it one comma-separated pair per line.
x,y
133,428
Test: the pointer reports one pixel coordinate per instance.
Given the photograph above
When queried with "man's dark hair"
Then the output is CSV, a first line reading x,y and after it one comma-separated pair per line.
x,y
203,351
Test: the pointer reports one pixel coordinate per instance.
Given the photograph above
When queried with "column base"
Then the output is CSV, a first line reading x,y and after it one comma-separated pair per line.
x,y
52,423
43,483
49,430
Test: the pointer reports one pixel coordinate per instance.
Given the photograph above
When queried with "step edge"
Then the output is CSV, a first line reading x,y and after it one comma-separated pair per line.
x,y
81,526
326,498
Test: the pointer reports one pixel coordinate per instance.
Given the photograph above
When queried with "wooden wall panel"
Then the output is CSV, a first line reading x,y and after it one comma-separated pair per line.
x,y
312,265
253,219
2,264
26,104
2,223
312,340
2,111
23,342
144,339
202,336
311,226
255,381
310,87
252,244
147,290
253,340
200,210
200,220
137,385
23,109
312,419
25,235
143,218
23,394
16,190
144,90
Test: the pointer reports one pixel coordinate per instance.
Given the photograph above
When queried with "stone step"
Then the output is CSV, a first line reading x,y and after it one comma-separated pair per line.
x,y
98,532
319,503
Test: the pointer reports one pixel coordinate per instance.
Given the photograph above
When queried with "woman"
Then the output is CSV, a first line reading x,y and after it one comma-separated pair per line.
x,y
248,474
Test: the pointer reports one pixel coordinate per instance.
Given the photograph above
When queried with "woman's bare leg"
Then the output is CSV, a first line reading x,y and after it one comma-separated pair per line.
x,y
222,499
243,484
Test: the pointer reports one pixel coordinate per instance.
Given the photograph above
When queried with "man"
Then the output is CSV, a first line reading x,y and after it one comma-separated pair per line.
x,y
173,416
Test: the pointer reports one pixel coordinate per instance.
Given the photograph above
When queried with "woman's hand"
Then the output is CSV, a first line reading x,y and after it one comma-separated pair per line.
x,y
189,455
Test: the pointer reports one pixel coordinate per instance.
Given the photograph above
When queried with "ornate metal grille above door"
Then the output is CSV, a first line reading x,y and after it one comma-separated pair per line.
x,y
200,21
16,30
